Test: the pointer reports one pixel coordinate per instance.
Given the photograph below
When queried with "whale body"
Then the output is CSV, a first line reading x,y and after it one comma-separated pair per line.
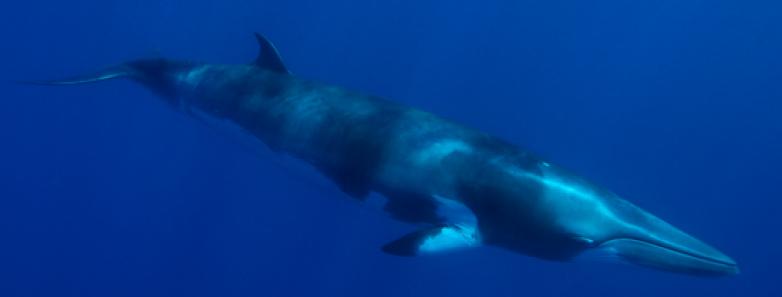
x,y
463,187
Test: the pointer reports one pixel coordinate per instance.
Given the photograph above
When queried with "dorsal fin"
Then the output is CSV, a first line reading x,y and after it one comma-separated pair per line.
x,y
268,57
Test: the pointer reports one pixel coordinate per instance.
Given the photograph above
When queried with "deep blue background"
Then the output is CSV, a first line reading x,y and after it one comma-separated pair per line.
x,y
105,191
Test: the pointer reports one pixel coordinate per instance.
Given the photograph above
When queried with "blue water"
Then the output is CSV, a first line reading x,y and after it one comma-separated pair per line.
x,y
105,191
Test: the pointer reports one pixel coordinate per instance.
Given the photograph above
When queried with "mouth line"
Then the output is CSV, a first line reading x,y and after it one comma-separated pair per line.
x,y
710,260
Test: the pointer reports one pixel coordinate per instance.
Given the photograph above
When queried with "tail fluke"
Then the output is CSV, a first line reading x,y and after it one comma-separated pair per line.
x,y
119,71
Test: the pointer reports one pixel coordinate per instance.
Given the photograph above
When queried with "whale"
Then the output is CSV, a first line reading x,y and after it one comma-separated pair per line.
x,y
457,187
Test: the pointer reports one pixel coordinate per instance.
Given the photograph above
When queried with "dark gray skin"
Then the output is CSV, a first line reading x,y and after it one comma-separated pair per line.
x,y
420,163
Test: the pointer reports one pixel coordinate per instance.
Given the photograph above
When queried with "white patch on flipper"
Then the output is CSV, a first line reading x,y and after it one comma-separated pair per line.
x,y
451,238
461,231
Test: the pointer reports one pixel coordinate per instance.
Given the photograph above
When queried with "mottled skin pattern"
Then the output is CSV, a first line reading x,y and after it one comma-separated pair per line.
x,y
365,144
417,160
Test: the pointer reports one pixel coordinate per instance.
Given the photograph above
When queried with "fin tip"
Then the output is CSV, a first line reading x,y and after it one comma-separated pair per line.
x,y
268,56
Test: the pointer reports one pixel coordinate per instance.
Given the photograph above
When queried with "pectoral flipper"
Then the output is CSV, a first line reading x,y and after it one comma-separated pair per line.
x,y
459,230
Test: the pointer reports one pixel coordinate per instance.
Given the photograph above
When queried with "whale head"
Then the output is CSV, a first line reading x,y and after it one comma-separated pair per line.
x,y
638,237
584,220
632,235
